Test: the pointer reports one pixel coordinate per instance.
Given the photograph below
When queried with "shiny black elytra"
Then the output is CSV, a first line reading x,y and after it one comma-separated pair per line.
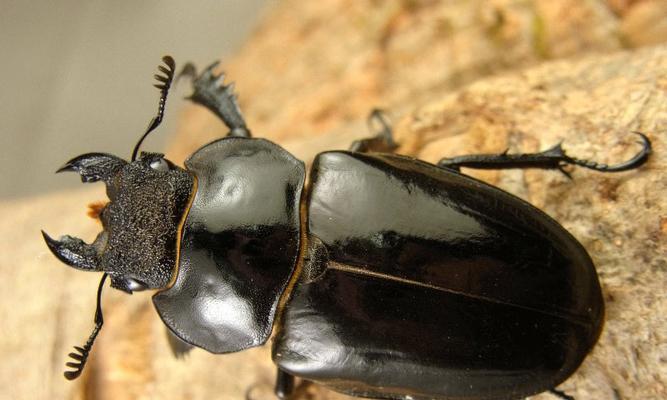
x,y
387,277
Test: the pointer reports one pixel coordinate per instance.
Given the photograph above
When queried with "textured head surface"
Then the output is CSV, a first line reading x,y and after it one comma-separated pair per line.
x,y
138,244
141,222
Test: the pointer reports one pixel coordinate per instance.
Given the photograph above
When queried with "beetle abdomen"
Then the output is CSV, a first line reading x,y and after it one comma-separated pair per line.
x,y
426,283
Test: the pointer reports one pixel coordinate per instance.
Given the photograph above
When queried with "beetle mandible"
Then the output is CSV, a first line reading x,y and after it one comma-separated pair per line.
x,y
389,277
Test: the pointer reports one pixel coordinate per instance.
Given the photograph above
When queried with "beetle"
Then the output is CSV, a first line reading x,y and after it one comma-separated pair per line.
x,y
383,277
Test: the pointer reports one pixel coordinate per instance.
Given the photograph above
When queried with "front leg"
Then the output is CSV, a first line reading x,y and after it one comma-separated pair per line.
x,y
210,92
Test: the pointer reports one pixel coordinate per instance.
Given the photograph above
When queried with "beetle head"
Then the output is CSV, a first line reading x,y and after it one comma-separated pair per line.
x,y
148,197
137,246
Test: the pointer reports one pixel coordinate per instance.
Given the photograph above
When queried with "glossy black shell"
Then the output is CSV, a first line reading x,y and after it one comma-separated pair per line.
x,y
239,245
412,281
419,282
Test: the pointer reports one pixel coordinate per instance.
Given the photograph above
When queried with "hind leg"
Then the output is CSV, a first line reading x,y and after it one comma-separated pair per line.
x,y
560,394
553,158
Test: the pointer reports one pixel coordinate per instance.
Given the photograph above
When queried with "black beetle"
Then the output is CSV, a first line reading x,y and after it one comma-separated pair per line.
x,y
387,277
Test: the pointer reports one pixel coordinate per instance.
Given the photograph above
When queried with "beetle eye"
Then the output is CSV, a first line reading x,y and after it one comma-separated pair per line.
x,y
135,285
160,164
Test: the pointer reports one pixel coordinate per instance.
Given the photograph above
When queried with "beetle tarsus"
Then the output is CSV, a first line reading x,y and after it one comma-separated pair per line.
x,y
560,394
553,158
638,160
210,92
382,141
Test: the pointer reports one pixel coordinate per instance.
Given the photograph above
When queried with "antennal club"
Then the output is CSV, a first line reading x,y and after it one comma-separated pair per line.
x,y
81,356
164,83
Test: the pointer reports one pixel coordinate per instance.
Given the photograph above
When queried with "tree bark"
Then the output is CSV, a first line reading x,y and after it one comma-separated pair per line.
x,y
306,80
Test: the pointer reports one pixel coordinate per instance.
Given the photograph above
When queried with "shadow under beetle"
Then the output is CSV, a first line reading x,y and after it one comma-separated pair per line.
x,y
389,277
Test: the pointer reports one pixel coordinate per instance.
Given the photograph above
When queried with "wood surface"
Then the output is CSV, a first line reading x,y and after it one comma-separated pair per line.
x,y
457,77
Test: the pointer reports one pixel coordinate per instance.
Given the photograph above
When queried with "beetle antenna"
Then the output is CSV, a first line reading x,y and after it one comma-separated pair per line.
x,y
81,356
164,83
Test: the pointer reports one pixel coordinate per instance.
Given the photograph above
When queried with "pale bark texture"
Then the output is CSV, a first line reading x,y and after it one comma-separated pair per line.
x,y
562,71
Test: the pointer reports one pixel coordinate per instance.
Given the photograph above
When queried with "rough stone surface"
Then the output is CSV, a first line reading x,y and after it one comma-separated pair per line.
x,y
315,67
589,102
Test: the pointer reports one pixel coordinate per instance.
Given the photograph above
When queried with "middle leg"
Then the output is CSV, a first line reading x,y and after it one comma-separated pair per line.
x,y
382,141
284,384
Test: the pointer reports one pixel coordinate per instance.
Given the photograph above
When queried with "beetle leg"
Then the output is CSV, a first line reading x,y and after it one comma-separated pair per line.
x,y
553,158
179,348
210,92
284,384
382,141
560,394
